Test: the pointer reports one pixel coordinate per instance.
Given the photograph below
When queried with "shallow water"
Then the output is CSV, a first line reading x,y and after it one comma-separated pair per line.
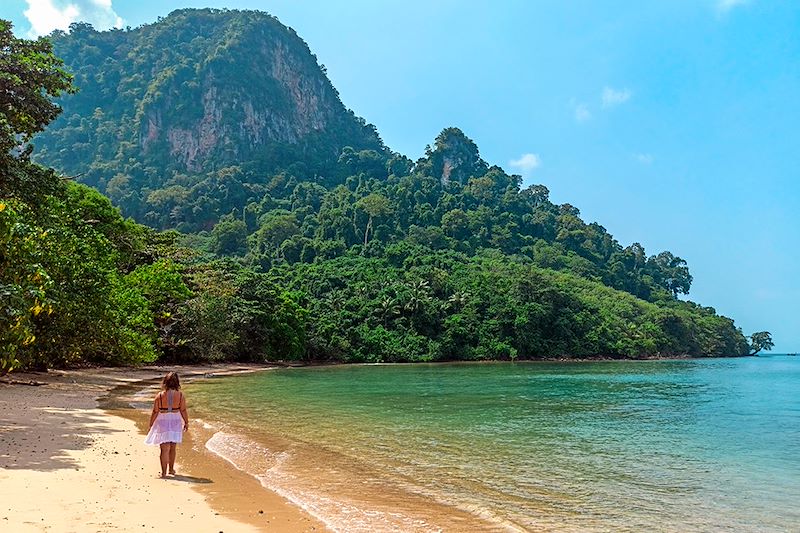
x,y
690,445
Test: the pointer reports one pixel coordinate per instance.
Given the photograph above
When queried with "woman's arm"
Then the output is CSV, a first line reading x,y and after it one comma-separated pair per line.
x,y
184,414
154,414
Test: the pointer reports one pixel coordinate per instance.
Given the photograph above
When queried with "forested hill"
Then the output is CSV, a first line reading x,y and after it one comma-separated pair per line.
x,y
302,235
177,102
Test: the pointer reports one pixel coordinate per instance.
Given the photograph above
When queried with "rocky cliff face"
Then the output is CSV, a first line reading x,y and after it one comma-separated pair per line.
x,y
293,101
197,91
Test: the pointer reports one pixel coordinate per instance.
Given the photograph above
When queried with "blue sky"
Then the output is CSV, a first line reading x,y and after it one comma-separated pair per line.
x,y
672,123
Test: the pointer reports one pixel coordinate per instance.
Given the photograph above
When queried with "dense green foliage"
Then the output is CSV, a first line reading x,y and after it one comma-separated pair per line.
x,y
413,304
179,121
322,246
80,284
30,75
440,204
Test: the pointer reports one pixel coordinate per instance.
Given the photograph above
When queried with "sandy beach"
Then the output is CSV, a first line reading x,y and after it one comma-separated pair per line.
x,y
66,464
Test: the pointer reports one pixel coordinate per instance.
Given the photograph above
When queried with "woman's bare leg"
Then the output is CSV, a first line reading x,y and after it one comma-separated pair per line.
x,y
173,450
164,458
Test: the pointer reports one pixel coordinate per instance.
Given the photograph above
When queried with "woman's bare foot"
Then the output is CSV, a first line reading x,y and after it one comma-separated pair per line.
x,y
171,472
162,475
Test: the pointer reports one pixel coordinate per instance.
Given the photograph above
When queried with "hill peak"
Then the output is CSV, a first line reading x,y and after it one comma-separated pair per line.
x,y
199,90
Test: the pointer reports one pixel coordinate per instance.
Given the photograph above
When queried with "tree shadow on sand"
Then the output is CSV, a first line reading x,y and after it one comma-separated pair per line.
x,y
43,439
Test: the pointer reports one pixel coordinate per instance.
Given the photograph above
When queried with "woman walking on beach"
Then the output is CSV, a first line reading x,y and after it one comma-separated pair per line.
x,y
168,421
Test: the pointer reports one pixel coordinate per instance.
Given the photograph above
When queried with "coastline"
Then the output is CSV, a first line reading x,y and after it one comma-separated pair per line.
x,y
79,430
353,505
68,464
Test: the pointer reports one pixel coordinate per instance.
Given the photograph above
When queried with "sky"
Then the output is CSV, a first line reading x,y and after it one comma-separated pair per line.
x,y
672,123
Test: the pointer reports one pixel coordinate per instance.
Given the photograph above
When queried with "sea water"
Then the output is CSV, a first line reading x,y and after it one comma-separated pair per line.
x,y
684,445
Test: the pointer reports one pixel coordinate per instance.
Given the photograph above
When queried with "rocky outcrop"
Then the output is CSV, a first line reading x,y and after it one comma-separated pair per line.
x,y
197,91
293,100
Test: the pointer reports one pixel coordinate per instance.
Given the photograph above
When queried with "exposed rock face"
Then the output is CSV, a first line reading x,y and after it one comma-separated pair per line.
x,y
312,106
191,146
454,157
197,91
294,100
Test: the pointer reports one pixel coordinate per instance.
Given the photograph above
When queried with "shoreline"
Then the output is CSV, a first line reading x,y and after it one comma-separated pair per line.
x,y
397,506
70,461
80,430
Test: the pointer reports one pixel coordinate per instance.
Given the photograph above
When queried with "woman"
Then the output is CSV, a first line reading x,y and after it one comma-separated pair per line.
x,y
169,413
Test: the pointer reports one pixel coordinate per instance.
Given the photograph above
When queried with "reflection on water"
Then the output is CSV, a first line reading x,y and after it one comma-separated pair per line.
x,y
669,445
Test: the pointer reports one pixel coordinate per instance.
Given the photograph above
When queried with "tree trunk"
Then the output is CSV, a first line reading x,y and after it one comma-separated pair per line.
x,y
366,230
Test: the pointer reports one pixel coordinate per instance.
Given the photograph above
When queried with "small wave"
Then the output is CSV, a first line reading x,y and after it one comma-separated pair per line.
x,y
245,454
468,505
204,424
337,514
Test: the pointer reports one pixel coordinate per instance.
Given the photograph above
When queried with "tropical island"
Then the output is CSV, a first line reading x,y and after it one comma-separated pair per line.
x,y
193,196
194,190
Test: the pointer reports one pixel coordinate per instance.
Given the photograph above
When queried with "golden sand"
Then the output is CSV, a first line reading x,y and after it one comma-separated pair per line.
x,y
68,465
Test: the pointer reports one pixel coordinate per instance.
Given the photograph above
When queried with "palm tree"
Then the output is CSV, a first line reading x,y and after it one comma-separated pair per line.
x,y
457,301
418,297
387,309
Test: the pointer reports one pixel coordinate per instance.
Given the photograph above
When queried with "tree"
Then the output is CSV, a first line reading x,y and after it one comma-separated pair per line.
x,y
387,309
536,195
670,272
455,224
229,237
761,340
23,285
30,76
276,226
375,205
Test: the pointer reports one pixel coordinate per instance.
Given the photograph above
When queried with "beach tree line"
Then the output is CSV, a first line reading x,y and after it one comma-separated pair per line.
x,y
445,258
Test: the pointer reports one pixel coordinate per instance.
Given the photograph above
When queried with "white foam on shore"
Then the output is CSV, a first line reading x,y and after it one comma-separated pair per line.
x,y
204,424
337,514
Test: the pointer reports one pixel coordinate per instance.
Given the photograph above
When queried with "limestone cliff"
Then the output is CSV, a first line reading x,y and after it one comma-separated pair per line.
x,y
195,92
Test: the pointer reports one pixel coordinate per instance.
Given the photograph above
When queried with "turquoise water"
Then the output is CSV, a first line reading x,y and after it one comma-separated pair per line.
x,y
690,445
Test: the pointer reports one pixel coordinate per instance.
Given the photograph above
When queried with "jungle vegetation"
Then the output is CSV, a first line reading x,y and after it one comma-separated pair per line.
x,y
326,246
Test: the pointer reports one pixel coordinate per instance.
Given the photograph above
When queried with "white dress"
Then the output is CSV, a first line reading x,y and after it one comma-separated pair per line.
x,y
168,426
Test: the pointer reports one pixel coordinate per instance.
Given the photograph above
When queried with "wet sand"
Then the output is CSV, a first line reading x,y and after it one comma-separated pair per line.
x,y
66,464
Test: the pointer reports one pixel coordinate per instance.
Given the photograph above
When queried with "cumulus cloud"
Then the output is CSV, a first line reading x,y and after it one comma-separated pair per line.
x,y
48,15
582,113
613,97
527,163
644,159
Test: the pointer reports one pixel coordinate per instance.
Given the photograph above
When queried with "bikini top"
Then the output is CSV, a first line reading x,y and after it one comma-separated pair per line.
x,y
169,407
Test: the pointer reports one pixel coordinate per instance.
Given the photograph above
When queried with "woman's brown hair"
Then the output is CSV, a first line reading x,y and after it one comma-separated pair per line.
x,y
171,381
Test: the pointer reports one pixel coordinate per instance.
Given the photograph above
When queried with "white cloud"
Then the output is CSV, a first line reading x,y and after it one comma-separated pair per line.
x,y
48,15
644,159
45,17
582,113
527,163
726,5
612,97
